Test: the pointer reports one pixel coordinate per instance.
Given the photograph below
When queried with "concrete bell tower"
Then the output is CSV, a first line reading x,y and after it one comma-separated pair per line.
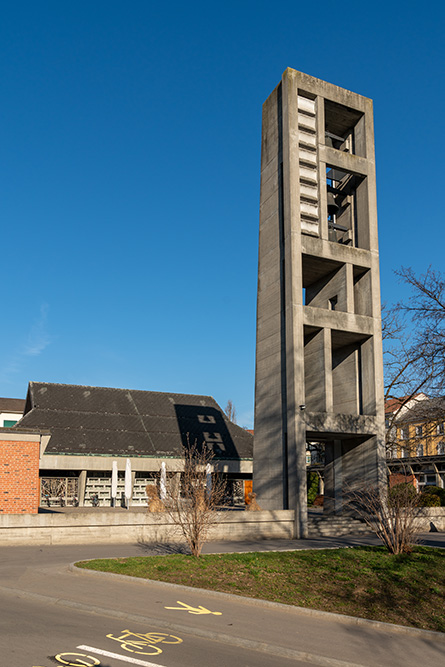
x,y
319,371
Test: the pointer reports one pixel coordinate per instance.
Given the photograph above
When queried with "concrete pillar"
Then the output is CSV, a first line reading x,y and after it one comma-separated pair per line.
x,y
81,490
175,484
338,477
333,478
133,479
439,480
329,479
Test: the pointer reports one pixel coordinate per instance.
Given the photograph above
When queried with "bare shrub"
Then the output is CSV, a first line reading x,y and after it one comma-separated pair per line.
x,y
391,516
155,504
253,505
194,507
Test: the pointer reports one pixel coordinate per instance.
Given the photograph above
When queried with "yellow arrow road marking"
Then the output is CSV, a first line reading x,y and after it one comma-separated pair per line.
x,y
194,610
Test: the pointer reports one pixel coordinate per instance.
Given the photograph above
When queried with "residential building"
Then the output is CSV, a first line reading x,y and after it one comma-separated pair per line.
x,y
416,439
11,410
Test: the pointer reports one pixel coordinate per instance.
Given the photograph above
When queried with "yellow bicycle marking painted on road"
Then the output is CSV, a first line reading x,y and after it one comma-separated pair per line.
x,y
194,610
161,637
78,662
146,640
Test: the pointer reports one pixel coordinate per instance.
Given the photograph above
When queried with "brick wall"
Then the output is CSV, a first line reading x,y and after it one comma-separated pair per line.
x,y
19,477
399,478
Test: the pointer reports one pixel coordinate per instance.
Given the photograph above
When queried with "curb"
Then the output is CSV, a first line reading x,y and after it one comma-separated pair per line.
x,y
266,604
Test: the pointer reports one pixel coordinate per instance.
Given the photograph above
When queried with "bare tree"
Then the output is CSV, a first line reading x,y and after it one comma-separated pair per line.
x,y
392,516
428,296
414,353
426,308
194,506
230,411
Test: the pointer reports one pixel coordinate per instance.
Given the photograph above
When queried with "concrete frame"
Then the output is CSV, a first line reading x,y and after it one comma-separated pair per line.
x,y
319,370
85,465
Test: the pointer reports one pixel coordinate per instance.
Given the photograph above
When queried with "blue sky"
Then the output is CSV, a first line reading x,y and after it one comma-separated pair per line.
x,y
130,147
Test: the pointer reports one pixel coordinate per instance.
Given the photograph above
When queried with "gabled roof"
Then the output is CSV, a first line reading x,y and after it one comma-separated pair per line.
x,y
12,404
432,409
125,422
403,403
418,408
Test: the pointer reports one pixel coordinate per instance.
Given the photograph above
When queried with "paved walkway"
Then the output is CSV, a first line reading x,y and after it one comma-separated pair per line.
x,y
427,539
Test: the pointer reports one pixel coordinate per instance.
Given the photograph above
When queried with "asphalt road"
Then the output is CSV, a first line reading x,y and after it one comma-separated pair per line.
x,y
51,615
36,632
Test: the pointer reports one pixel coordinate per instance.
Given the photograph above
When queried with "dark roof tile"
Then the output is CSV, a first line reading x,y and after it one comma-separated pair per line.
x,y
12,404
105,421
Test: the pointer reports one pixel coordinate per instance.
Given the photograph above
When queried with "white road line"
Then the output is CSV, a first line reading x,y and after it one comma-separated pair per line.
x,y
124,658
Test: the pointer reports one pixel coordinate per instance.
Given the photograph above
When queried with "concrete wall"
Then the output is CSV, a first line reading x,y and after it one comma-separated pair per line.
x,y
431,515
141,463
270,390
129,527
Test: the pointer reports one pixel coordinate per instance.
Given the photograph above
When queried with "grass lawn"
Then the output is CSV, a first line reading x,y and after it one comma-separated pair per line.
x,y
364,581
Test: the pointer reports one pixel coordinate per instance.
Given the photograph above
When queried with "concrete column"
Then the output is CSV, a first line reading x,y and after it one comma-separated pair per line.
x,y
439,480
329,479
349,280
81,489
270,449
133,479
320,485
338,477
333,478
175,484
299,492
296,428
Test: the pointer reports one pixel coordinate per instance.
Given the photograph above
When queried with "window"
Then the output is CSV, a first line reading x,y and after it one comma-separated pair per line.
x,y
344,128
404,434
419,450
419,431
333,303
402,452
441,447
439,429
7,423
